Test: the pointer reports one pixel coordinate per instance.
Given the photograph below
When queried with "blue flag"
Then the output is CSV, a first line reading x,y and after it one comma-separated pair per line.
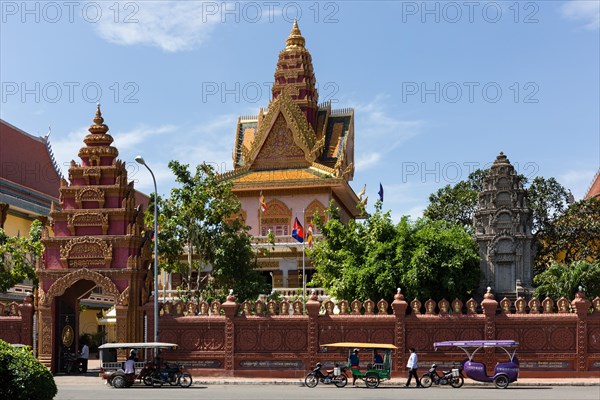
x,y
380,193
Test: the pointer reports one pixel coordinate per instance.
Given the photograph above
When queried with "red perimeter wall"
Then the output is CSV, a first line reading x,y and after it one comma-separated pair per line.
x,y
557,339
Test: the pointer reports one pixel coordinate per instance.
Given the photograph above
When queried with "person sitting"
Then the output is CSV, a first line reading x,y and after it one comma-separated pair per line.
x,y
129,366
354,364
377,359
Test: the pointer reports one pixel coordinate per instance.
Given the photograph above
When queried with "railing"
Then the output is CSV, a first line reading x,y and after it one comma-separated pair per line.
x,y
289,293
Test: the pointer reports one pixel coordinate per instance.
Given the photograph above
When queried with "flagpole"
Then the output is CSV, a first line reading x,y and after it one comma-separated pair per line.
x,y
303,265
260,207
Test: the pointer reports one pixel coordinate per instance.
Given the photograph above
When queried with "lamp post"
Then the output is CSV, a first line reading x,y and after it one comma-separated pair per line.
x,y
140,160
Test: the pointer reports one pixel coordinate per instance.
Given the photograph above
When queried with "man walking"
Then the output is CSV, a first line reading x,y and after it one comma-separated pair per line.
x,y
412,365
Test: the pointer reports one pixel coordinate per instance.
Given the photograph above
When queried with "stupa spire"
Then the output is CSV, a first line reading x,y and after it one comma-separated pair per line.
x,y
294,75
98,149
98,127
295,39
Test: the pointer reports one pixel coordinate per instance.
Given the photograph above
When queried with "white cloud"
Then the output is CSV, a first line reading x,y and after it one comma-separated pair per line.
x,y
586,11
367,160
577,180
379,132
169,25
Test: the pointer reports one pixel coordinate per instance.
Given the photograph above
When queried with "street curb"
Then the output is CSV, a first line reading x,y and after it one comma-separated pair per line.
x,y
389,384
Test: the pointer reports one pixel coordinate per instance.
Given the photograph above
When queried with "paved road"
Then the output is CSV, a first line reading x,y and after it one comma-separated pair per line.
x,y
97,391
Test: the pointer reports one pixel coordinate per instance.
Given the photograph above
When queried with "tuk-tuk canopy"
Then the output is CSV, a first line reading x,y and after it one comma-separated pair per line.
x,y
361,345
477,343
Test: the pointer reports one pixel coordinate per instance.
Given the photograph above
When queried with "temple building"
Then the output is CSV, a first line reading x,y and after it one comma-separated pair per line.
x,y
503,223
29,179
290,160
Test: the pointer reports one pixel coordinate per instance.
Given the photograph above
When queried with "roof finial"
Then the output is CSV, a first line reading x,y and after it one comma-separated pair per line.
x,y
295,38
98,126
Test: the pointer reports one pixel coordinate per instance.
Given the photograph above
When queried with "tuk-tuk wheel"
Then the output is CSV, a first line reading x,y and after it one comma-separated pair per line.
x,y
118,381
501,381
372,381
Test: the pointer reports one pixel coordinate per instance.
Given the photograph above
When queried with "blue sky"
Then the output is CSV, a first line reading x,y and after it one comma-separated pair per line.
x,y
439,88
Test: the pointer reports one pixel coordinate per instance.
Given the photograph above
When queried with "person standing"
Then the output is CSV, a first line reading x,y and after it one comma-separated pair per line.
x,y
354,365
84,355
412,365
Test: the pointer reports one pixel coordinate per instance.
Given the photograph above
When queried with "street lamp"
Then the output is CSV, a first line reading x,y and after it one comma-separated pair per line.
x,y
140,160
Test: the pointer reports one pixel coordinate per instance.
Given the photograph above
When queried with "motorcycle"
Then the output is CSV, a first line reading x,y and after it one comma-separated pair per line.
x,y
171,374
336,376
453,377
71,363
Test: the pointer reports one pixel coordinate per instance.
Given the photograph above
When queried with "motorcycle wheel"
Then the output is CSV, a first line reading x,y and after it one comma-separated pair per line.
x,y
457,382
426,381
341,381
311,380
185,380
118,382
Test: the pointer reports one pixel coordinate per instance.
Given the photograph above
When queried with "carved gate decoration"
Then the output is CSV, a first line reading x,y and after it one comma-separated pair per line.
x,y
97,242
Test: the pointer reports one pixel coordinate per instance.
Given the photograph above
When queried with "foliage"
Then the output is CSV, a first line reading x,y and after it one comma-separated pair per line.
x,y
572,236
369,260
563,280
18,256
547,199
200,219
456,204
22,376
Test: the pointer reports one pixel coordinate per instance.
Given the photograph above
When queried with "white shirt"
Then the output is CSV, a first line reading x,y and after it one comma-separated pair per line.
x,y
85,352
130,366
412,361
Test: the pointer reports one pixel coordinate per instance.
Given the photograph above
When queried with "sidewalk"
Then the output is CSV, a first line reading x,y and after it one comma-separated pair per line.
x,y
92,378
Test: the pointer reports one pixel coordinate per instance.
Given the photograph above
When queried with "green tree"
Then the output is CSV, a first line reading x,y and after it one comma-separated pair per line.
x,y
572,236
563,280
18,256
370,259
547,200
22,376
456,204
200,219
444,262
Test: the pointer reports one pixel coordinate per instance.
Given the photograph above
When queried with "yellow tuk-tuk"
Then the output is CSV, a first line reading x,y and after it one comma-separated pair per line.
x,y
375,372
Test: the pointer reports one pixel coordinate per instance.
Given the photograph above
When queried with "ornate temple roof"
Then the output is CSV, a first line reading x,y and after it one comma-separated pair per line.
x,y
324,136
29,175
295,142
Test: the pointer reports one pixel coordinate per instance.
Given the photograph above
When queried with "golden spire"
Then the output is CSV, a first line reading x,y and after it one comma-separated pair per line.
x,y
98,127
295,39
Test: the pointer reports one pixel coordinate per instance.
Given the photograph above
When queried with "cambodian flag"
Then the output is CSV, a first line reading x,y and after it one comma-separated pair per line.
x,y
298,232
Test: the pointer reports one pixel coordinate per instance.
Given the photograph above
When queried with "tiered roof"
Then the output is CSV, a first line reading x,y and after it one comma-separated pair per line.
x,y
295,142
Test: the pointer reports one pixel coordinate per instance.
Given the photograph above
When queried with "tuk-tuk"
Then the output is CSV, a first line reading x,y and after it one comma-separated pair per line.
x,y
375,372
504,372
145,371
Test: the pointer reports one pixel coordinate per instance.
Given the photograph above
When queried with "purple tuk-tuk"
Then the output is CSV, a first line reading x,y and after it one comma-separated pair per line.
x,y
504,372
